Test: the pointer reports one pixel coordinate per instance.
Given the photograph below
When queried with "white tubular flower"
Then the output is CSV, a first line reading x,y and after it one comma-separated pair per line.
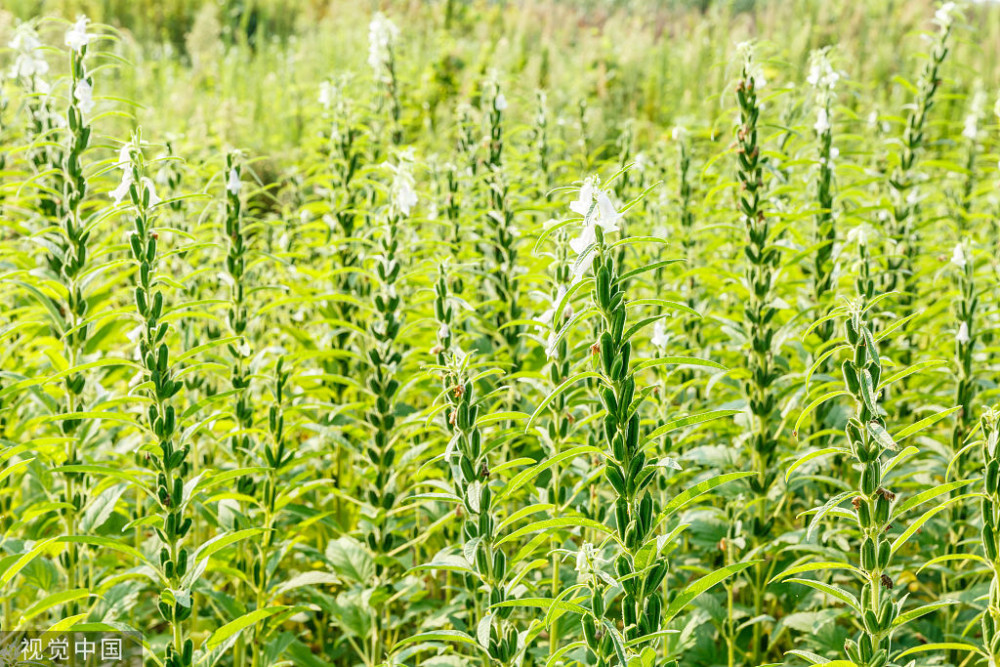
x,y
971,129
151,187
77,36
443,331
234,184
500,103
822,121
382,33
659,338
962,337
822,76
119,193
586,197
402,191
958,256
586,559
641,162
753,69
30,60
327,93
125,164
858,235
945,15
83,93
598,210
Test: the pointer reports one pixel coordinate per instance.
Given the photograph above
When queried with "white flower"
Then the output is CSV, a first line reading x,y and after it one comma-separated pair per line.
x,y
402,191
641,163
125,157
586,559
500,103
978,103
607,215
751,67
30,60
858,235
962,337
326,94
586,197
443,331
244,348
678,133
84,95
151,187
234,185
119,193
822,121
971,127
77,36
406,196
822,76
958,257
597,209
381,34
945,16
873,118
660,338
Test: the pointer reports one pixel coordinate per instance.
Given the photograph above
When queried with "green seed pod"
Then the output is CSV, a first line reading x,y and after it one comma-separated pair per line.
x,y
884,554
989,543
615,477
590,632
499,564
851,648
871,477
865,648
851,377
871,621
881,510
864,515
868,559
597,602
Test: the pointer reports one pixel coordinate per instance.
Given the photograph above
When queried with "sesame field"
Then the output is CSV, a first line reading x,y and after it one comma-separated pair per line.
x,y
443,333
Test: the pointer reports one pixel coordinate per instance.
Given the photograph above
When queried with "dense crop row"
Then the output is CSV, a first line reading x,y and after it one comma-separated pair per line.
x,y
479,370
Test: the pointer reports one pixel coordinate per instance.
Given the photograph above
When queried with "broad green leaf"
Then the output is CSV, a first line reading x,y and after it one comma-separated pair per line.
x,y
689,594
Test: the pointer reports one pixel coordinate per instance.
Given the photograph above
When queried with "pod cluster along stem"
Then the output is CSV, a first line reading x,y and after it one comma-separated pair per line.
x,y
628,470
868,440
468,461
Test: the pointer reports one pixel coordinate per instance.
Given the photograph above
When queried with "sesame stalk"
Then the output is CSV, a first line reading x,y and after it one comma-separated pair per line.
x,y
868,440
68,261
468,459
990,534
759,280
902,231
628,470
167,457
385,355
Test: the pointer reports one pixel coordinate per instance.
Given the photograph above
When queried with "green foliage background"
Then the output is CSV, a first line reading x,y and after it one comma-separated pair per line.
x,y
397,440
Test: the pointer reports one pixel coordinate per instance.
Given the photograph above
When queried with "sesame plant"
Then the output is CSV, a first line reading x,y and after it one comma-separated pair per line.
x,y
466,333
